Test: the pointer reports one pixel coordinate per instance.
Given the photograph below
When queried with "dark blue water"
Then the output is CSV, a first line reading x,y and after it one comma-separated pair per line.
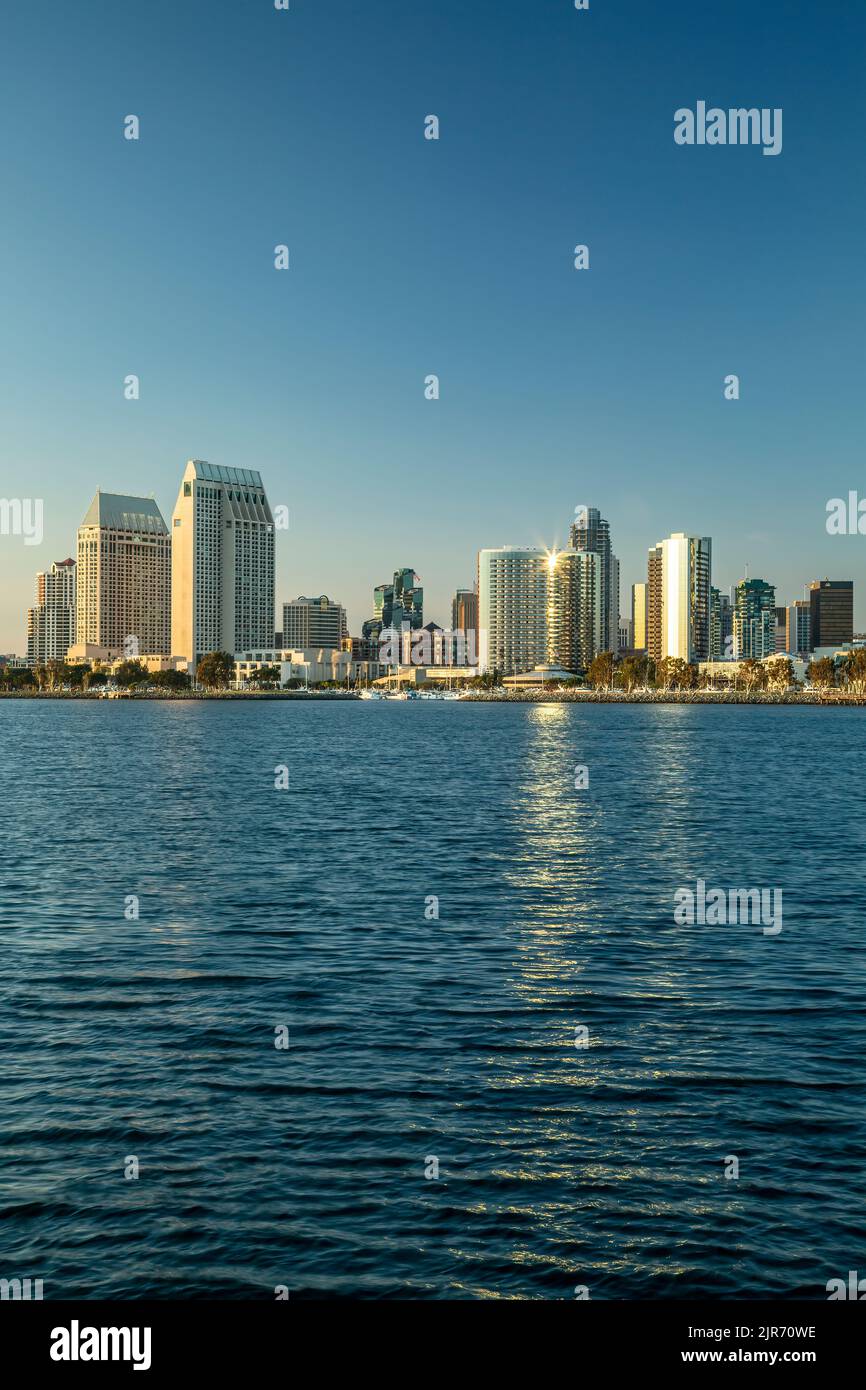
x,y
412,1038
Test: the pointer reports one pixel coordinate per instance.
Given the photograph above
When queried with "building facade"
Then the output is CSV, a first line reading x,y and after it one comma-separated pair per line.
x,y
222,562
679,579
464,611
754,620
638,616
396,606
721,626
590,532
654,636
308,665
831,612
536,608
798,626
51,623
314,622
123,576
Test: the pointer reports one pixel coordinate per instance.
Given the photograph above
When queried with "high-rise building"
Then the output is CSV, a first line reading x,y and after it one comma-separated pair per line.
x,y
638,616
590,532
721,625
395,605
832,612
797,627
464,627
781,628
123,576
754,619
678,598
313,622
51,624
654,635
536,608
407,603
613,605
464,611
222,562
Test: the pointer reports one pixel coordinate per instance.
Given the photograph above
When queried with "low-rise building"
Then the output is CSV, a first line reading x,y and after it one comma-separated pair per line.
x,y
311,665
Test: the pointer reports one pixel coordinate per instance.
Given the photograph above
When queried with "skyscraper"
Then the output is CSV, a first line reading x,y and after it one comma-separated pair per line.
x,y
395,605
832,612
536,608
797,627
123,576
407,602
754,619
686,573
313,622
654,642
222,562
638,616
613,606
678,598
590,532
721,626
51,624
464,611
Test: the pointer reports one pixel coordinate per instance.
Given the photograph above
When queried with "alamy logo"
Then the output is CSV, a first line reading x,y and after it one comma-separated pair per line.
x,y
76,1343
736,907
737,126
837,1289
22,516
846,519
20,1288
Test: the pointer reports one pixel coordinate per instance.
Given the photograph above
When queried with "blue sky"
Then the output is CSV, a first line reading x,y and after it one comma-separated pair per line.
x,y
409,257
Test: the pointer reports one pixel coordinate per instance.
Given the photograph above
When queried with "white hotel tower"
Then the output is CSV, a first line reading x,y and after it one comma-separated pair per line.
x,y
222,562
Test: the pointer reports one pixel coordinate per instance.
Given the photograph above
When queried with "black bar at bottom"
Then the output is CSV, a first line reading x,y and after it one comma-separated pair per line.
x,y
161,1338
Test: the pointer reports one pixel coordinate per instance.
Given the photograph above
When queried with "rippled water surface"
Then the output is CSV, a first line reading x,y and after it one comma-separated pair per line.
x,y
413,1039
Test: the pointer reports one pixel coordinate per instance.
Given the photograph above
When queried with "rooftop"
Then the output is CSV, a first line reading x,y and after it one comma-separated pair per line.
x,y
213,473
122,513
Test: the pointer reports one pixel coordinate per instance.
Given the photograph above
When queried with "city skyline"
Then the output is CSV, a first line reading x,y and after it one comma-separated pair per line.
x,y
208,584
432,653
411,257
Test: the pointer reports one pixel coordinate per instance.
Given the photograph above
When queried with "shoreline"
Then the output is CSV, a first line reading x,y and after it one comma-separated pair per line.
x,y
811,699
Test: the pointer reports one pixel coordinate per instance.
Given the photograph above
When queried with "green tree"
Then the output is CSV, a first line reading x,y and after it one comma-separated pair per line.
x,y
780,673
265,675
17,678
130,673
215,671
854,670
753,674
601,669
488,680
170,680
672,673
628,675
822,673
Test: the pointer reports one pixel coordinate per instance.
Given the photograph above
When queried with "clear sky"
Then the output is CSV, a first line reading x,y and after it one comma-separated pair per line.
x,y
409,257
